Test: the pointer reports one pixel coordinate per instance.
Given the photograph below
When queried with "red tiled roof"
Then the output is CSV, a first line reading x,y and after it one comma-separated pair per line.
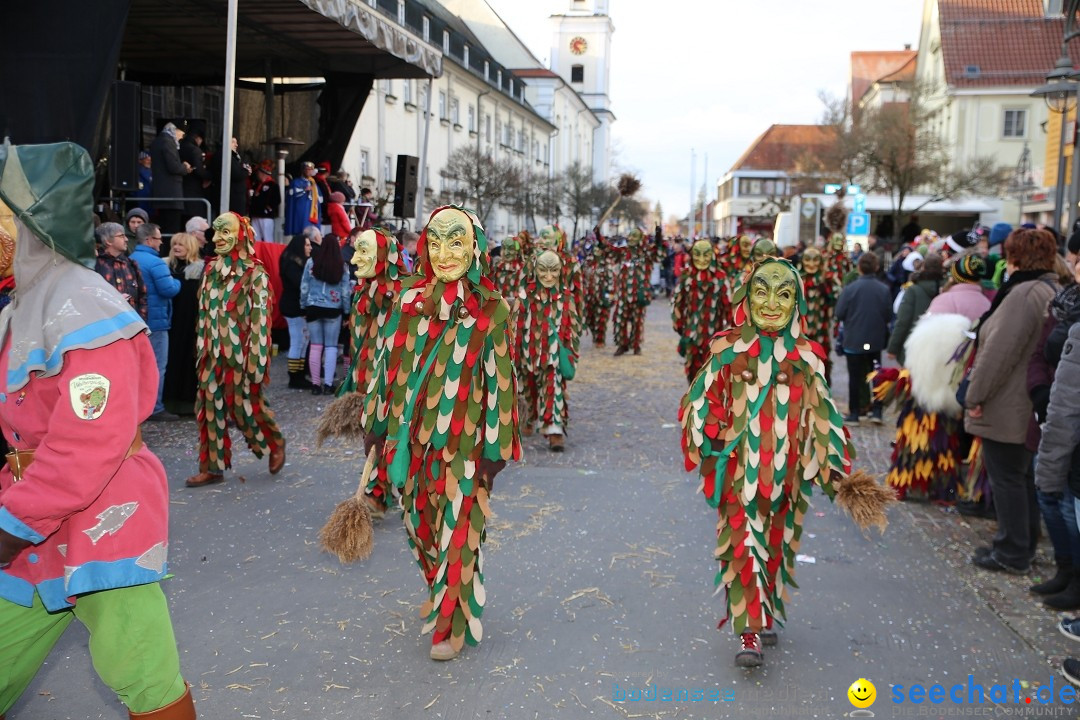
x,y
904,74
868,67
999,42
781,146
534,73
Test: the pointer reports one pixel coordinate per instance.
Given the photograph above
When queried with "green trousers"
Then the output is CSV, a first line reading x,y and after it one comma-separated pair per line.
x,y
131,644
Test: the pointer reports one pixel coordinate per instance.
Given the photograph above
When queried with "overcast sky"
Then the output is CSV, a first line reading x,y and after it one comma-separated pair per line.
x,y
712,75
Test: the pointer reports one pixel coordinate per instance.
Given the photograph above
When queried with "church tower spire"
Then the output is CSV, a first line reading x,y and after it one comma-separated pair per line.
x,y
581,55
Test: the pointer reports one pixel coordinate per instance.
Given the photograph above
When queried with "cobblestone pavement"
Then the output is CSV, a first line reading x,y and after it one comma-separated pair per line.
x,y
599,577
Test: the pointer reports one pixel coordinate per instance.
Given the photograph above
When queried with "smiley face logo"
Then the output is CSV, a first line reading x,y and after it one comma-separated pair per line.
x,y
862,693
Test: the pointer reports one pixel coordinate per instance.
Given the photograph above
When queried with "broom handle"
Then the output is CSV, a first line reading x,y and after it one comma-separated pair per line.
x,y
368,467
611,209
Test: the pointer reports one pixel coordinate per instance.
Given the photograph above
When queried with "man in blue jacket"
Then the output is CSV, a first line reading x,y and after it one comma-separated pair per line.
x,y
865,308
161,288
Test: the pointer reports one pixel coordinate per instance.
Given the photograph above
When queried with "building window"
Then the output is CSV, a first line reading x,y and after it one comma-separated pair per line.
x,y
1015,125
446,42
365,164
387,169
472,119
487,70
373,3
426,25
455,112
487,128
498,78
498,129
442,105
401,12
407,90
577,73
465,56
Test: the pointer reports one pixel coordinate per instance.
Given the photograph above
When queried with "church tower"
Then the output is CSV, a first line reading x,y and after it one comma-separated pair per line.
x,y
581,55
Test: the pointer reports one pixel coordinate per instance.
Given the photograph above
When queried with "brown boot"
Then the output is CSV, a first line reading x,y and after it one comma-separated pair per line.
x,y
181,709
555,443
205,478
277,458
620,351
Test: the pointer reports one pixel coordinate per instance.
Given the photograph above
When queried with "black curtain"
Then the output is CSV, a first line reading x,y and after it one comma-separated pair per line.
x,y
57,62
340,103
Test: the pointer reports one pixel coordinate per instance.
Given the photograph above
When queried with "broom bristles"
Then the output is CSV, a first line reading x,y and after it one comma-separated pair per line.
x,y
628,185
341,419
348,533
865,500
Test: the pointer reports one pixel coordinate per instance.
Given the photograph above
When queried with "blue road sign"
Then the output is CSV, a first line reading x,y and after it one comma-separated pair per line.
x,y
858,223
832,188
859,203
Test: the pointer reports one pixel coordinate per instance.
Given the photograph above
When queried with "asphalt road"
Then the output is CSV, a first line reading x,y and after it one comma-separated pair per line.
x,y
599,574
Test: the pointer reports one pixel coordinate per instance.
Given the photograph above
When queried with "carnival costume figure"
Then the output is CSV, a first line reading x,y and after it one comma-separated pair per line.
x,y
837,261
442,410
509,270
736,260
632,291
700,307
927,453
379,264
759,423
84,504
599,278
547,341
232,354
822,291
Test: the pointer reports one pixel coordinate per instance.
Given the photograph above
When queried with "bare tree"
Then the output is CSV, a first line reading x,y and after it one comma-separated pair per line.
x,y
580,198
892,150
483,180
537,200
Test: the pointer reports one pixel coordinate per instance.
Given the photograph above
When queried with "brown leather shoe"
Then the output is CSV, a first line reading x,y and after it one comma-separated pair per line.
x,y
183,708
277,459
204,478
555,443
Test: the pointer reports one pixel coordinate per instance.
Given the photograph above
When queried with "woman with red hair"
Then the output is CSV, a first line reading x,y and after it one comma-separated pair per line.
x,y
997,402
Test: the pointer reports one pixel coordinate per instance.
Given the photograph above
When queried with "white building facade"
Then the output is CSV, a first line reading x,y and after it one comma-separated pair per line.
x,y
489,96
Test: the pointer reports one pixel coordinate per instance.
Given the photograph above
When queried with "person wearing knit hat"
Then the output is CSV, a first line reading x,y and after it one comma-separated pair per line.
x,y
134,218
340,224
964,295
995,261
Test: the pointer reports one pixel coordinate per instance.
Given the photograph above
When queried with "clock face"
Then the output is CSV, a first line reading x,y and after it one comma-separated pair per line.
x,y
578,46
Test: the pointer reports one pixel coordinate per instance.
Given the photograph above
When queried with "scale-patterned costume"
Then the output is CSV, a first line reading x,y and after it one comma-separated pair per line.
x,y
699,309
599,280
544,322
232,347
822,291
926,454
373,299
572,282
509,270
837,261
633,267
735,261
760,425
444,397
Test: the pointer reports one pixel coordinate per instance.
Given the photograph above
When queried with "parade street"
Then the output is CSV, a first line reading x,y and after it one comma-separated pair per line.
x,y
599,576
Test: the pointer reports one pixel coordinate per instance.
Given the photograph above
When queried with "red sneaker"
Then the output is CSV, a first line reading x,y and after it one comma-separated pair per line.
x,y
751,654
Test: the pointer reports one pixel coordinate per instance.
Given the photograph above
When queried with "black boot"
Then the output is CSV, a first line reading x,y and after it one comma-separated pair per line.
x,y
296,374
1058,583
1067,599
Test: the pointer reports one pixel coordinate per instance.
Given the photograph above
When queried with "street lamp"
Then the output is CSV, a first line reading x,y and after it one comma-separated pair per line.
x,y
1059,92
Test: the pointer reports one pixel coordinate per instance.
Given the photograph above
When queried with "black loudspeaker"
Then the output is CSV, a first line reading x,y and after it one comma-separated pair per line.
x,y
405,186
126,133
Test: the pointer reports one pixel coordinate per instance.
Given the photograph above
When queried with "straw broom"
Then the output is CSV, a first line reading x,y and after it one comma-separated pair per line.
x,y
348,532
861,497
627,186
